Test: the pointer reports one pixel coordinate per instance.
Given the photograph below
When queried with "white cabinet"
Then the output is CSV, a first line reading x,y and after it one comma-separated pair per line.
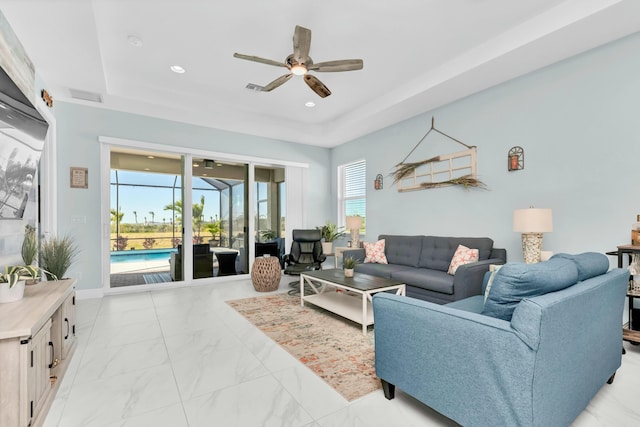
x,y
36,343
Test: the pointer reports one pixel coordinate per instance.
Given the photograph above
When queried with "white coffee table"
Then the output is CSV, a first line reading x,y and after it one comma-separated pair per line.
x,y
349,297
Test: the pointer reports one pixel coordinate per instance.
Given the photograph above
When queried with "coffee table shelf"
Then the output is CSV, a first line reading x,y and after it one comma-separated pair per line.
x,y
342,304
349,297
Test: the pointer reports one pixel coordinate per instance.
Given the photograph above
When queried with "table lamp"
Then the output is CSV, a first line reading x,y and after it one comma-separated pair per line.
x,y
354,222
532,223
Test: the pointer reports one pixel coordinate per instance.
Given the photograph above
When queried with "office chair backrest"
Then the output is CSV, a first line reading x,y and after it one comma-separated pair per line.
x,y
306,247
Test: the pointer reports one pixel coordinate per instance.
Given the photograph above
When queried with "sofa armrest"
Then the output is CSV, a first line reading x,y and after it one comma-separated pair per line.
x,y
434,352
499,253
468,278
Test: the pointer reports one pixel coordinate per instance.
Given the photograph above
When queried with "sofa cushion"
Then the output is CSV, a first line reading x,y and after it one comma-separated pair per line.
x,y
437,251
374,252
380,270
432,280
589,264
403,250
462,256
514,282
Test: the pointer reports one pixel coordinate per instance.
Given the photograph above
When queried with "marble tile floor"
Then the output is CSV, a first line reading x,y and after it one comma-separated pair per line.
x,y
184,358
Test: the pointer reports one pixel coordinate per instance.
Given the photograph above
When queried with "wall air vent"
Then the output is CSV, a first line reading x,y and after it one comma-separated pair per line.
x,y
85,95
254,87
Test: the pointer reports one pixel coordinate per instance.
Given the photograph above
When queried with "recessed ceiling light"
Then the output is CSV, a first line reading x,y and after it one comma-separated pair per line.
x,y
147,169
195,165
310,104
134,40
150,157
177,69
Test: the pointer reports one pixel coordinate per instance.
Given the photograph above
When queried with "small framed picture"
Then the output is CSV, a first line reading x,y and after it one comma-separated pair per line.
x,y
79,177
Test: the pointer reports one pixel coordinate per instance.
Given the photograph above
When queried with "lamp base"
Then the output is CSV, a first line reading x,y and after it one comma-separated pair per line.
x,y
355,238
531,247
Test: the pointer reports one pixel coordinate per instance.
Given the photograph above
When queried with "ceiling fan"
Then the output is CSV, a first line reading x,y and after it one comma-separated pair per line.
x,y
300,63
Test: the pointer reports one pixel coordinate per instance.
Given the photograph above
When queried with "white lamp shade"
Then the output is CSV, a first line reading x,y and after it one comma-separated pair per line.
x,y
532,220
354,222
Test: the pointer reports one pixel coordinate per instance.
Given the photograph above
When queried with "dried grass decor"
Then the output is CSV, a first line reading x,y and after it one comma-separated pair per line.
x,y
404,169
466,181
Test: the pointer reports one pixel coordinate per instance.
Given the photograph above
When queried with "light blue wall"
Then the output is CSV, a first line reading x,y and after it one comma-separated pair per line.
x,y
78,129
578,122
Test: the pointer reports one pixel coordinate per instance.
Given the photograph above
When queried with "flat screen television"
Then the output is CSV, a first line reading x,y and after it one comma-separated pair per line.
x,y
22,134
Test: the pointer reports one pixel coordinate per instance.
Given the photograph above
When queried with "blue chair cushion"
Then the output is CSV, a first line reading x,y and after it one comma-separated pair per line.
x,y
590,264
516,281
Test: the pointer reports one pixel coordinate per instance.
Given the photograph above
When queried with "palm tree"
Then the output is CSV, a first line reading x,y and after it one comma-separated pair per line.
x,y
135,214
196,213
153,216
116,216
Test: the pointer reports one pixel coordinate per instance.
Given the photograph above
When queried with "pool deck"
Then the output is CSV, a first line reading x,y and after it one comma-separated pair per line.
x,y
139,266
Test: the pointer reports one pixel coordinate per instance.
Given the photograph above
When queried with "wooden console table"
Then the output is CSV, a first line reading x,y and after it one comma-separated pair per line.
x,y
37,340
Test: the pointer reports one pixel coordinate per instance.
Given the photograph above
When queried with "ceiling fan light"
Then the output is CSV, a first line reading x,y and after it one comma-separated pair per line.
x,y
299,69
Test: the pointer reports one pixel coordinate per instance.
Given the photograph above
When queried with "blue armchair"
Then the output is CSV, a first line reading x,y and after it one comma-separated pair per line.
x,y
539,368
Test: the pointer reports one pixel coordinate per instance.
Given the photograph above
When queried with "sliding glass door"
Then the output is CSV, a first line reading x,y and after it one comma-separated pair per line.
x,y
145,231
155,238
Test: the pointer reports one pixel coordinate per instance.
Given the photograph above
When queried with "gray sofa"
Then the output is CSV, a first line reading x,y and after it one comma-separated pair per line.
x,y
421,262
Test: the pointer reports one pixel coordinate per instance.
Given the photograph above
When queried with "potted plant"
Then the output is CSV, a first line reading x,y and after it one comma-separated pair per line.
x,y
268,235
30,249
56,256
349,264
214,229
330,233
12,282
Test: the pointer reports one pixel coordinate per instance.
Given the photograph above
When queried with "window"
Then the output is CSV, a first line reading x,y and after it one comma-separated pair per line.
x,y
352,188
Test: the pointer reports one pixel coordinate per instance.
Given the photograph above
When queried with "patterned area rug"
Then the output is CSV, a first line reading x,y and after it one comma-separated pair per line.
x,y
331,346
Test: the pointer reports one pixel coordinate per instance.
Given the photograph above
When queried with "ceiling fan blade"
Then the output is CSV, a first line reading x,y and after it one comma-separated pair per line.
x,y
301,44
277,82
261,60
317,86
341,65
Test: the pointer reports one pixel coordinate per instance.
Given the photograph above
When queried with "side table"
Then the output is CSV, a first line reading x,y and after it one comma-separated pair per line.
x,y
266,273
629,332
338,254
226,262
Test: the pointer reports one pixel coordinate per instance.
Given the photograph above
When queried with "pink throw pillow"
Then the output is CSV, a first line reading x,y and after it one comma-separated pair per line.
x,y
463,255
374,252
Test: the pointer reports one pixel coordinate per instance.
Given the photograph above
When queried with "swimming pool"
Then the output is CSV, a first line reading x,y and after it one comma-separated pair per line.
x,y
141,255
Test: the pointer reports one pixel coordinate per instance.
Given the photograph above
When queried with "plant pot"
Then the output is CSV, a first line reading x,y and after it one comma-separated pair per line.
x,y
15,293
327,248
348,272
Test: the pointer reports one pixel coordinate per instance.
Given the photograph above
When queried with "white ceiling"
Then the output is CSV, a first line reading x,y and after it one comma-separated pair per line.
x,y
418,55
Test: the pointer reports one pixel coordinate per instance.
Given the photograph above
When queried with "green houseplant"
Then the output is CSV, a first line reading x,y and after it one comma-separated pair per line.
x,y
12,282
56,256
349,264
30,250
214,229
330,232
29,245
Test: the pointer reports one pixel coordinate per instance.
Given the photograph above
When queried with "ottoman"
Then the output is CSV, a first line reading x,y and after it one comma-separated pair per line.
x,y
266,273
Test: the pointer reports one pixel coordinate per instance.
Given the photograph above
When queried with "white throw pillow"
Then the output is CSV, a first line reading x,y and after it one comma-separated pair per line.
x,y
463,255
374,252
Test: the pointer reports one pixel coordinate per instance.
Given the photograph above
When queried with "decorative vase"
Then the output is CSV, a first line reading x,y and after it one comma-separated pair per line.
x,y
327,248
634,270
348,272
12,294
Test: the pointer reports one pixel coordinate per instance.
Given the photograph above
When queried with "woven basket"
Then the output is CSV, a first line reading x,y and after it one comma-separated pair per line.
x,y
265,274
